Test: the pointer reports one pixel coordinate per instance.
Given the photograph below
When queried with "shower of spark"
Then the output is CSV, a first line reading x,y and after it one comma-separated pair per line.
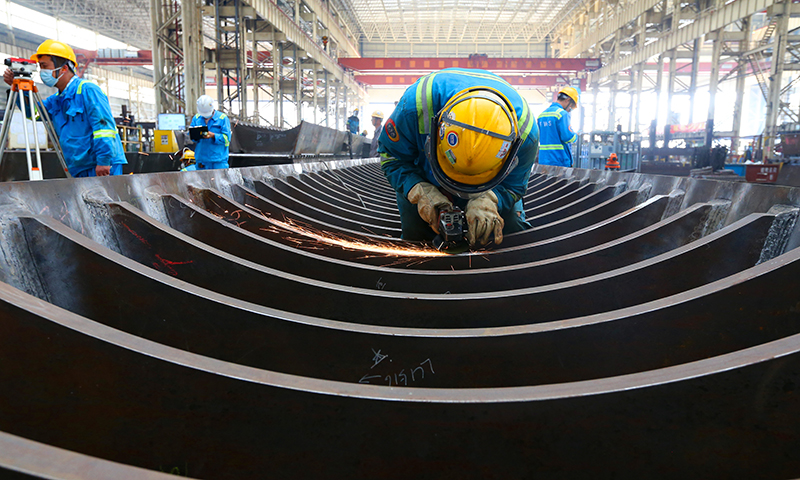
x,y
387,249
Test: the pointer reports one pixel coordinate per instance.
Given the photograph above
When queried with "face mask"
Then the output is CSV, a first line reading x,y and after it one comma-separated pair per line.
x,y
48,78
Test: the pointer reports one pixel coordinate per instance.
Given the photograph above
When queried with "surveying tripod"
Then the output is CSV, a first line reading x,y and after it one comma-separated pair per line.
x,y
23,69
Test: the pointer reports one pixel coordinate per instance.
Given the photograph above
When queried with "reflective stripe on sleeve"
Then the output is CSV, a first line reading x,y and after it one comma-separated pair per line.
x,y
385,158
227,141
550,114
106,133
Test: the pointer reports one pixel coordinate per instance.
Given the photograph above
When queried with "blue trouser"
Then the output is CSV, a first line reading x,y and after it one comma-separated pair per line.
x,y
90,172
415,228
211,165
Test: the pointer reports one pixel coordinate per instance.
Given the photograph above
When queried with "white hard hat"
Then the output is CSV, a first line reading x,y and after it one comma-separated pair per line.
x,y
205,106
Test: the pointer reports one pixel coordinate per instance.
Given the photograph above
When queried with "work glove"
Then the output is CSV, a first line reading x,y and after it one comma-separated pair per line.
x,y
429,200
483,219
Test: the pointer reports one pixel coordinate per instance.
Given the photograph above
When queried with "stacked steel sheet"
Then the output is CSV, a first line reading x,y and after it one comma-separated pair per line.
x,y
268,322
304,139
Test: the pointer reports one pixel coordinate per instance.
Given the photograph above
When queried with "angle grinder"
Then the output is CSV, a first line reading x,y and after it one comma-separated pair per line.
x,y
452,237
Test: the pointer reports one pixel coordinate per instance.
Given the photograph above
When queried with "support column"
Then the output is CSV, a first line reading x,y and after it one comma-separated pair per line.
x,y
744,45
217,48
346,108
638,89
277,60
594,105
673,60
192,41
241,59
776,79
336,107
327,101
659,86
631,86
315,91
713,84
254,73
298,85
693,83
612,98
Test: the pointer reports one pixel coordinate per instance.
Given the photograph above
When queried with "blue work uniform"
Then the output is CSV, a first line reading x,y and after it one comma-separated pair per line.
x,y
555,136
403,137
86,129
212,153
352,124
190,168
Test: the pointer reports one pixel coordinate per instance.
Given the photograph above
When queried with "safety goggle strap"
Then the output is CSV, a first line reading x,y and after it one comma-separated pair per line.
x,y
486,95
509,138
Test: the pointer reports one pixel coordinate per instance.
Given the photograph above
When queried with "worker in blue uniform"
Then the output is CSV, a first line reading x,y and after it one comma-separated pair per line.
x,y
80,113
555,131
353,123
212,151
460,137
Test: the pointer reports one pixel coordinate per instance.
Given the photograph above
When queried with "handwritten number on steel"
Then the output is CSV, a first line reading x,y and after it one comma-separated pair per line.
x,y
430,364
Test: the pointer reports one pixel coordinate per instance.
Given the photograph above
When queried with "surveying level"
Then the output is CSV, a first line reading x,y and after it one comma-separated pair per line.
x,y
23,69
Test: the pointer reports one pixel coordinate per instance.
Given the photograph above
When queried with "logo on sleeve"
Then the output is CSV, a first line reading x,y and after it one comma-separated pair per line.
x,y
391,131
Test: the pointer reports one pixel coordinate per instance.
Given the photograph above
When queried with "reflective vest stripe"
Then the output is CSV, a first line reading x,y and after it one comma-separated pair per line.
x,y
527,122
386,159
551,114
106,133
425,103
551,147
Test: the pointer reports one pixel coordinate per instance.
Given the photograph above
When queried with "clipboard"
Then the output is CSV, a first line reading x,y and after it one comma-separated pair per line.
x,y
196,133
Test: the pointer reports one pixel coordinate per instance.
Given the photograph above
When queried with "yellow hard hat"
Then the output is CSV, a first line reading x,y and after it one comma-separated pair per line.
x,y
571,92
188,155
55,48
476,138
377,114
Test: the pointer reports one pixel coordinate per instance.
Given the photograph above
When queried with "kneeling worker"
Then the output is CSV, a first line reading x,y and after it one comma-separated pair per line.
x,y
460,137
80,113
212,151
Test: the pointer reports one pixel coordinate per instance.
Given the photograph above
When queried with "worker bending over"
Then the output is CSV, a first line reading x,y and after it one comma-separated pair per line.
x,y
555,131
460,137
80,113
212,151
